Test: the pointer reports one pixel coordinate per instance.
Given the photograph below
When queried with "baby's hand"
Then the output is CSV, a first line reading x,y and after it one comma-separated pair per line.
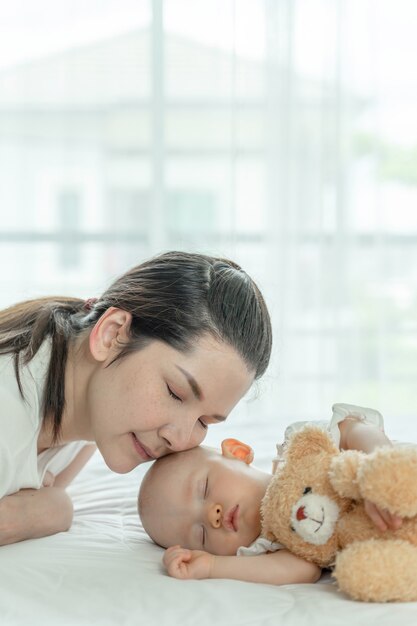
x,y
183,563
382,518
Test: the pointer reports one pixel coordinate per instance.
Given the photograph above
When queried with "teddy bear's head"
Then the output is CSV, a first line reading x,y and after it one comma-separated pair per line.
x,y
300,508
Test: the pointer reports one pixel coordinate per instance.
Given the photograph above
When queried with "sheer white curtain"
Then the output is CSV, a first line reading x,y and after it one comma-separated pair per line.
x,y
343,205
281,133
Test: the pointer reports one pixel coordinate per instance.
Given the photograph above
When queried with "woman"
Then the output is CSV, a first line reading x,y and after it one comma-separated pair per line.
x,y
140,372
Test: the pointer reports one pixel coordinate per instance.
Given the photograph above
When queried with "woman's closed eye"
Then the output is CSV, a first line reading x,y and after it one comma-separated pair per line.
x,y
173,395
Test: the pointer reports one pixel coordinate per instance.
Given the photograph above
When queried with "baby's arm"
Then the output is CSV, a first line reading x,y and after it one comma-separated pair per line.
x,y
276,568
357,435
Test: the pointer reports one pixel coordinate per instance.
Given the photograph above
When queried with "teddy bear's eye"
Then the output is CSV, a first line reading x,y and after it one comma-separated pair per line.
x,y
292,528
306,490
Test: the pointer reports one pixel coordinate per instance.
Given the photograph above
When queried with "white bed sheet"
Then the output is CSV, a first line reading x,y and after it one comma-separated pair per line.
x,y
106,571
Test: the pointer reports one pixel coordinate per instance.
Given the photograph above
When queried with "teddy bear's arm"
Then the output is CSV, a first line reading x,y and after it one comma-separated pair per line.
x,y
388,477
343,473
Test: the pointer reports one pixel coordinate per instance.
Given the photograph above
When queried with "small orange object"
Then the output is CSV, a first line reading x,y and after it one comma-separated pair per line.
x,y
235,449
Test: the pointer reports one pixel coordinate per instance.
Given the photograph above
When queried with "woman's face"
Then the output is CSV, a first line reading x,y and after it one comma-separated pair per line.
x,y
158,400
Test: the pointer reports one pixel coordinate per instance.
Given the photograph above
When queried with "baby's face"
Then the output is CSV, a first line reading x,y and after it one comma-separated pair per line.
x,y
204,501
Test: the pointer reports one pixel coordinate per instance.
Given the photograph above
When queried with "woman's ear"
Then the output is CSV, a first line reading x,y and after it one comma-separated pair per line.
x,y
234,449
109,332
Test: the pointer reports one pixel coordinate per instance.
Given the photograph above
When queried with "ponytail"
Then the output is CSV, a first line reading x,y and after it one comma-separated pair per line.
x,y
24,327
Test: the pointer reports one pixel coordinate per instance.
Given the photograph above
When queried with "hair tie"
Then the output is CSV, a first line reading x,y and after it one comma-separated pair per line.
x,y
89,303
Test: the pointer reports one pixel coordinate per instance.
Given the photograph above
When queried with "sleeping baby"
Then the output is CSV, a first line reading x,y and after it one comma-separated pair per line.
x,y
204,506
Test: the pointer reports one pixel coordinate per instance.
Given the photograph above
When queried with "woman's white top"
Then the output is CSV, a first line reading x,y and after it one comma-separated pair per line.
x,y
340,411
20,423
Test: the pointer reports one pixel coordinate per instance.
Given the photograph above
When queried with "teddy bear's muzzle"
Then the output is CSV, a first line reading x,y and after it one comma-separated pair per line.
x,y
313,518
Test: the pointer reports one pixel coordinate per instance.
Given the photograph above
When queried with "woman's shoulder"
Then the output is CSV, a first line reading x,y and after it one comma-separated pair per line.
x,y
20,420
20,407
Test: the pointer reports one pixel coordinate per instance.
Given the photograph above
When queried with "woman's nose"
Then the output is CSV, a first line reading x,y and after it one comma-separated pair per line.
x,y
183,434
215,515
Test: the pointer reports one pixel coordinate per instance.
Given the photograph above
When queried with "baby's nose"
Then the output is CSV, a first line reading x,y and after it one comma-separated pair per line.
x,y
215,515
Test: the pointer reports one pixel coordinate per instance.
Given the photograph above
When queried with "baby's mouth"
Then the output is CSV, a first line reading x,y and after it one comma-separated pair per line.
x,y
231,519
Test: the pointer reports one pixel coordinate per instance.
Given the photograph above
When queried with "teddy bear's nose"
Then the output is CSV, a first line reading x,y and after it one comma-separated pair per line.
x,y
300,515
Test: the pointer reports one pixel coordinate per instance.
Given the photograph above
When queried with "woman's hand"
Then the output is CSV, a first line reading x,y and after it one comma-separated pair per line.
x,y
185,564
33,513
382,518
48,479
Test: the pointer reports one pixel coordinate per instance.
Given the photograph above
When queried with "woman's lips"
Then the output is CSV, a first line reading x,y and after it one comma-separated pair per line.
x,y
141,449
231,520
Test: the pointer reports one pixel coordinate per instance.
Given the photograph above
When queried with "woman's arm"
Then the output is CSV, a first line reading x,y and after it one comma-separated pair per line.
x,y
64,478
276,568
357,435
33,513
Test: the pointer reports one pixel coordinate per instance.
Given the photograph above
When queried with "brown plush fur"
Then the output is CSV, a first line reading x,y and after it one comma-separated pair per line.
x,y
314,506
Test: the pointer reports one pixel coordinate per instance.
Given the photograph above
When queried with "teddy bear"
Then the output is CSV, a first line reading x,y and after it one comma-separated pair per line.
x,y
314,506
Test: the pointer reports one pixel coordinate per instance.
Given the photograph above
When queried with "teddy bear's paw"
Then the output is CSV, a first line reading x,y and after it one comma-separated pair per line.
x,y
388,477
343,473
378,571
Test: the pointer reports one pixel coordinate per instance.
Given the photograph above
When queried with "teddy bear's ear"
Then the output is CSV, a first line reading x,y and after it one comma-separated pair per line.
x,y
309,440
235,449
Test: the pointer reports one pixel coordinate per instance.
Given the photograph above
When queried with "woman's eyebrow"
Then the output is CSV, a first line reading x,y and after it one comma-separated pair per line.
x,y
196,389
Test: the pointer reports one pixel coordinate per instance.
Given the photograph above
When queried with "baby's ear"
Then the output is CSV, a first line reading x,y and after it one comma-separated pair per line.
x,y
234,449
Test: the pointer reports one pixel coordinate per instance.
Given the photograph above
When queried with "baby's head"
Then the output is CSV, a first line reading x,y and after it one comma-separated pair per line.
x,y
202,499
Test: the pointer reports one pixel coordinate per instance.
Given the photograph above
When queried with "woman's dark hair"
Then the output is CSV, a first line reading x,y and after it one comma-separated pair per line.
x,y
175,297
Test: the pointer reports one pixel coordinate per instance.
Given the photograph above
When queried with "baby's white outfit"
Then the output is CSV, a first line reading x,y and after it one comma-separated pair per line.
x,y
340,411
20,423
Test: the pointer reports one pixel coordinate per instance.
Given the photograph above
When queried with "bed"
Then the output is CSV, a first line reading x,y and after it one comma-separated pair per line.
x,y
106,571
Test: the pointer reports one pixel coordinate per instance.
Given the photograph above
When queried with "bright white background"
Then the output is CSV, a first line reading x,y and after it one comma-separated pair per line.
x,y
281,133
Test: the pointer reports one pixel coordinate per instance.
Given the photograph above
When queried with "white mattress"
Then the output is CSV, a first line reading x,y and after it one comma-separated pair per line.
x,y
106,571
